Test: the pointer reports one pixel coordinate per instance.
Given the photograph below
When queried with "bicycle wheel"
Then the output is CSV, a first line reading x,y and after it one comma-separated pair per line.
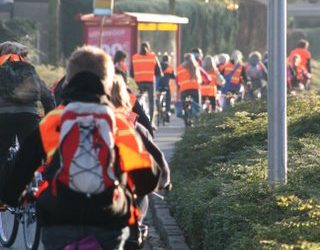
x,y
163,111
8,227
31,227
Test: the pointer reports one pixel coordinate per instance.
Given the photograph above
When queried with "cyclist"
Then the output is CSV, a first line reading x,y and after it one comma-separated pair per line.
x,y
164,82
223,59
121,67
298,75
303,51
145,68
210,90
121,101
257,76
67,215
120,64
189,78
197,52
235,75
18,100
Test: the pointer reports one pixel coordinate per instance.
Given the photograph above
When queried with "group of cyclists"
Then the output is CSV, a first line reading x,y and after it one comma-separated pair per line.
x,y
216,82
94,147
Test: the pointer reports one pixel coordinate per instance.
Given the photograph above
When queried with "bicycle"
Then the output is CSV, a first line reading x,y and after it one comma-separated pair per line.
x,y
187,111
24,214
161,108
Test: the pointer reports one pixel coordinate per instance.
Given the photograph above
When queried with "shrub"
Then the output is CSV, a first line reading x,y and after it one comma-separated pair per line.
x,y
221,197
49,73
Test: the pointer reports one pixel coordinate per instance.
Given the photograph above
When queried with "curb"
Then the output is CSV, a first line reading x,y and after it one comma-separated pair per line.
x,y
166,225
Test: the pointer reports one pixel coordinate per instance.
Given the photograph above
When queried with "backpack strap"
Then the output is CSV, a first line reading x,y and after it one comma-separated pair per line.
x,y
233,71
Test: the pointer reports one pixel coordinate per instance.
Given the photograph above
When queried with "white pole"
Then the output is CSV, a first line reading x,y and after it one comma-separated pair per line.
x,y
277,91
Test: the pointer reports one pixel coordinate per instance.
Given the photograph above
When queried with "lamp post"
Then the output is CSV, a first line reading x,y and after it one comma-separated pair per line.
x,y
277,91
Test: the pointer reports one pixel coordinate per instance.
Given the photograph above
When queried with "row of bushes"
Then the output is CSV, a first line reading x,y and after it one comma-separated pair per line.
x,y
221,197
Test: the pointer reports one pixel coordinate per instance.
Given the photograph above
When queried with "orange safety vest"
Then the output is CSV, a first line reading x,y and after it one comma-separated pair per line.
x,y
184,80
144,67
236,77
168,71
211,88
133,156
11,58
303,53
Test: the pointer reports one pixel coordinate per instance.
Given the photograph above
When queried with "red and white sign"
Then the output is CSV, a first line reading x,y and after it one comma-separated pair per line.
x,y
113,39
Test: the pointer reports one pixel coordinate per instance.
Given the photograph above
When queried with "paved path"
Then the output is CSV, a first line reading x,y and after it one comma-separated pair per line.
x,y
166,137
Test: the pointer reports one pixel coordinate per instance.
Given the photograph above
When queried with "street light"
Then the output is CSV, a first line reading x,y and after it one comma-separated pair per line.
x,y
277,91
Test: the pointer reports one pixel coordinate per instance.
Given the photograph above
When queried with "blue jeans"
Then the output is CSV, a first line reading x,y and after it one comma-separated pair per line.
x,y
57,237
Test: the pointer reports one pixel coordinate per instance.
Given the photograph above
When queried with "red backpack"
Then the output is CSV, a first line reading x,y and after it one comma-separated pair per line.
x,y
86,148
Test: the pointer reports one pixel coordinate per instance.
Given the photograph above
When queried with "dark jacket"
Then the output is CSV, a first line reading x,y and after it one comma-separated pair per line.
x,y
70,207
45,97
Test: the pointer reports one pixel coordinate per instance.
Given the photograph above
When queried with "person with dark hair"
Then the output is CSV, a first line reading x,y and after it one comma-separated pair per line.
x,y
121,68
145,68
164,82
120,65
302,50
20,90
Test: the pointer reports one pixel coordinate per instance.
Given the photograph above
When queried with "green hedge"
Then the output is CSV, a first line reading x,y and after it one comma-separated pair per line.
x,y
221,198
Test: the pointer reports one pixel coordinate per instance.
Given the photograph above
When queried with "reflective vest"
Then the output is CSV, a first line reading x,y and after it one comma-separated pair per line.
x,y
144,67
168,71
236,76
211,88
254,72
303,53
184,80
49,131
133,156
11,58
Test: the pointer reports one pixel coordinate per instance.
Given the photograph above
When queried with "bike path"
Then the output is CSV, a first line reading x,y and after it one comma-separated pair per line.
x,y
169,231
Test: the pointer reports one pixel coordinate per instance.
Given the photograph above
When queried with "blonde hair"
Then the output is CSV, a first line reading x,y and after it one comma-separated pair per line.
x,y
119,95
223,58
192,66
94,60
255,57
9,47
237,56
